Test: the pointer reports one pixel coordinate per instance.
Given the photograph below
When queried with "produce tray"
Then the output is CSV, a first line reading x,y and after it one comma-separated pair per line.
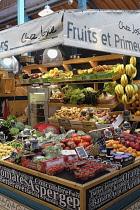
x,y
37,80
53,122
26,161
110,100
76,124
89,125
56,100
89,76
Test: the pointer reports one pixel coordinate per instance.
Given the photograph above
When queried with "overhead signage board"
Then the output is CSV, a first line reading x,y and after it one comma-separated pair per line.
x,y
103,30
33,35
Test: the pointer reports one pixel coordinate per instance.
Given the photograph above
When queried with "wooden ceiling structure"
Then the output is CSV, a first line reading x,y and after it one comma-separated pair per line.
x,y
8,8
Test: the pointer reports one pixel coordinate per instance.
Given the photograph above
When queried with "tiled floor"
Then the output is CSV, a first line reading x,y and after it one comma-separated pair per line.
x,y
9,204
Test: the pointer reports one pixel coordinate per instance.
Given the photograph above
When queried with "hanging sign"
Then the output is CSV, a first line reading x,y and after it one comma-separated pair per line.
x,y
108,30
33,35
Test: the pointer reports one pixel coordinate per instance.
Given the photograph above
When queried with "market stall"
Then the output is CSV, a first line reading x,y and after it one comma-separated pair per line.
x,y
109,182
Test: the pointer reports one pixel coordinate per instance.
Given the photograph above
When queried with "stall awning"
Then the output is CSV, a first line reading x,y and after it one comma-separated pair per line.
x,y
113,31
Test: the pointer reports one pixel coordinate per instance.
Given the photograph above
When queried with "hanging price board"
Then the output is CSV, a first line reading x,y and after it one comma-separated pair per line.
x,y
133,127
101,143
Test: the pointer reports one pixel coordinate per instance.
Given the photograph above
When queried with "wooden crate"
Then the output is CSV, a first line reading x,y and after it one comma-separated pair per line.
x,y
89,125
7,85
134,118
76,124
28,59
53,122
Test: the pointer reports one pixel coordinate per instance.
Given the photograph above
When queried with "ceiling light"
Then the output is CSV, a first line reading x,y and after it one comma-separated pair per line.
x,y
7,61
46,11
52,53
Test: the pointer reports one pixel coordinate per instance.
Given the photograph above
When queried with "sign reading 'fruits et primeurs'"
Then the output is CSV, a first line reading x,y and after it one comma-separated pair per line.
x,y
109,190
51,192
108,31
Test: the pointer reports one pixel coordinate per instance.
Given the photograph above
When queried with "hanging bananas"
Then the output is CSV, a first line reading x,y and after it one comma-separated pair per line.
x,y
133,60
135,87
119,89
120,69
129,90
126,100
124,80
130,70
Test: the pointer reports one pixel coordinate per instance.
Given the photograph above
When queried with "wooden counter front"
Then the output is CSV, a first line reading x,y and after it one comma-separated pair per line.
x,y
57,193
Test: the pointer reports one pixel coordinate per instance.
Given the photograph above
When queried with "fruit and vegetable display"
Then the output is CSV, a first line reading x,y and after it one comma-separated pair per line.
x,y
76,113
126,90
5,150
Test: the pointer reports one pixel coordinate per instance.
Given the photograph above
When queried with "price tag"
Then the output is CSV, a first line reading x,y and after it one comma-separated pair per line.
x,y
35,85
87,77
101,143
126,125
46,84
133,127
64,122
81,152
108,133
26,132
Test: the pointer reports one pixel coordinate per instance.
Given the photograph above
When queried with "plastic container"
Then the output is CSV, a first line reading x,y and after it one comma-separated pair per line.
x,y
118,159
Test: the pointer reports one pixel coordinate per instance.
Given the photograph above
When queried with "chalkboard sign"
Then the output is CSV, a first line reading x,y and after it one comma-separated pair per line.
x,y
20,138
108,134
64,122
27,132
56,194
81,152
133,127
101,143
2,135
126,113
107,191
126,125
118,131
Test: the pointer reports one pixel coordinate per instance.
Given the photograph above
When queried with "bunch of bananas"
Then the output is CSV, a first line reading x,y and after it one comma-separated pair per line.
x,y
126,92
133,60
131,71
120,69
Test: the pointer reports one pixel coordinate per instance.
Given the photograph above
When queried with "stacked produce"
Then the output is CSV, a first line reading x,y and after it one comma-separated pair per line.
x,y
76,141
126,90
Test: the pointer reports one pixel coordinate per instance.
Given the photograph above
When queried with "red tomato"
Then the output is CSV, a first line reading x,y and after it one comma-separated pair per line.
x,y
81,145
69,143
85,144
74,135
77,140
86,138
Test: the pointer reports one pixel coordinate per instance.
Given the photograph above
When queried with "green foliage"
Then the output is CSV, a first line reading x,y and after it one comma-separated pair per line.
x,y
20,126
14,131
109,87
7,123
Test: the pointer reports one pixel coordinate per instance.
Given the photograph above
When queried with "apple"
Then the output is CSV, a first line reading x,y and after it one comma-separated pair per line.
x,y
137,140
137,146
127,143
132,144
131,139
122,141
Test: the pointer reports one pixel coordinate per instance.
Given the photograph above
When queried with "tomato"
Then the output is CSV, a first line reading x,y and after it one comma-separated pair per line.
x,y
77,141
74,135
85,144
81,145
86,138
69,143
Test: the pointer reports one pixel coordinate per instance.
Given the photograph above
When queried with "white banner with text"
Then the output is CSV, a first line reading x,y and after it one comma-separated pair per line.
x,y
37,34
103,30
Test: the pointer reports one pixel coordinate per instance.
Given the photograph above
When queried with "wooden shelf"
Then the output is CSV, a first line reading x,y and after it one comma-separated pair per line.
x,y
87,105
92,60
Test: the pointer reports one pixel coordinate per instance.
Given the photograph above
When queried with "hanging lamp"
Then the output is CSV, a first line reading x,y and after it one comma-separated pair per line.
x,y
46,11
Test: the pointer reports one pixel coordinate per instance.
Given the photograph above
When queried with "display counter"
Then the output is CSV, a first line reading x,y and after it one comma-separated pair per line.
x,y
59,193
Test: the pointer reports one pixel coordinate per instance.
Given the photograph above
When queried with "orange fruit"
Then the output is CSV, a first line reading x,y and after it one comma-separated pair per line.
x,y
115,146
134,154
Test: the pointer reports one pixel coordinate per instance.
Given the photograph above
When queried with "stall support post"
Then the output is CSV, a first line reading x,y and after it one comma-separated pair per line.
x,y
82,4
22,15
